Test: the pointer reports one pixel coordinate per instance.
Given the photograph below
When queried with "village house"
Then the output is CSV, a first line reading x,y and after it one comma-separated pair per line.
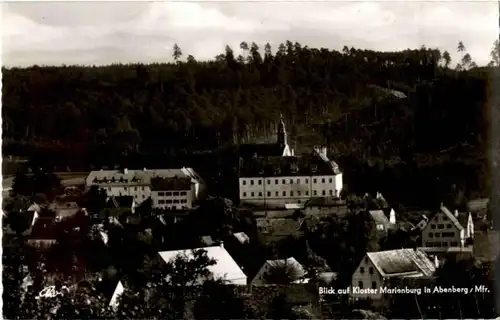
x,y
43,233
382,223
138,183
446,229
225,268
289,268
376,268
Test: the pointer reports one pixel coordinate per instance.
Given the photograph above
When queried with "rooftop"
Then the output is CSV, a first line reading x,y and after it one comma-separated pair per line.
x,y
304,165
402,262
167,184
379,217
138,177
260,150
225,266
241,237
298,269
454,219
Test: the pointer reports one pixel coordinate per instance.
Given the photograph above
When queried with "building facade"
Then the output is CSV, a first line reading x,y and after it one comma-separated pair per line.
x,y
173,193
376,269
137,183
444,230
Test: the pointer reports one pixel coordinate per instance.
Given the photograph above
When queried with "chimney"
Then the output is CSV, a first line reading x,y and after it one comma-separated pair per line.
x,y
436,261
145,169
456,213
125,171
221,244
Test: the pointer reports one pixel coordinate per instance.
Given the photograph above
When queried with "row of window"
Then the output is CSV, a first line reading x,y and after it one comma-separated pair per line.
x,y
441,226
362,270
126,188
441,244
172,201
443,234
169,194
361,285
284,193
284,181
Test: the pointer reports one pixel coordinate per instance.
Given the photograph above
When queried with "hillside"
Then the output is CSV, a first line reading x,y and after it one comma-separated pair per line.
x,y
78,116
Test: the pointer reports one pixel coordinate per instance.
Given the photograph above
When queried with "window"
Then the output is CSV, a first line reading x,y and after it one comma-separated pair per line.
x,y
374,285
360,284
437,235
315,192
431,234
284,193
161,194
331,192
362,270
268,181
330,180
433,226
135,188
125,188
168,194
440,226
176,201
161,201
283,181
307,180
307,193
142,188
251,182
323,180
184,201
448,226
371,270
298,193
324,192
291,193
277,194
448,234
183,193
260,194
268,193
445,244
291,181
454,244
276,181
244,182
298,180
315,181
260,182
252,194
168,201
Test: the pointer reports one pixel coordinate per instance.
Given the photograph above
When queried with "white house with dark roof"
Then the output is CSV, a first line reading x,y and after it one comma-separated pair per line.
x,y
376,268
225,268
296,271
138,183
173,193
445,229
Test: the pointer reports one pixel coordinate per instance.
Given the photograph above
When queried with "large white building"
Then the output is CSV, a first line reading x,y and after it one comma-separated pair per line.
x,y
277,181
139,184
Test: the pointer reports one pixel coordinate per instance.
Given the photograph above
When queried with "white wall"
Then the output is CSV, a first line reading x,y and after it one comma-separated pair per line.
x,y
432,235
140,193
269,189
368,275
175,199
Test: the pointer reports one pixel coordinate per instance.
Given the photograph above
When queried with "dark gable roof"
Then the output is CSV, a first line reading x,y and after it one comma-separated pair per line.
x,y
260,150
305,165
170,184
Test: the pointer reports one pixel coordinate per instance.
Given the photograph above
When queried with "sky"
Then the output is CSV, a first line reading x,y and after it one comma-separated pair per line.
x,y
97,33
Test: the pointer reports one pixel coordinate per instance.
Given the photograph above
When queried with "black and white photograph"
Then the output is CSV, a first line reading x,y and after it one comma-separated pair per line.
x,y
250,159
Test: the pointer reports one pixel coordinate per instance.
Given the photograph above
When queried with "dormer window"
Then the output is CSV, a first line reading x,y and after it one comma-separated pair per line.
x,y
314,168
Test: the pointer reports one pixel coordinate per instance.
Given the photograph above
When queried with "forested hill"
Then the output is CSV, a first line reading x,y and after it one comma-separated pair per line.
x,y
326,96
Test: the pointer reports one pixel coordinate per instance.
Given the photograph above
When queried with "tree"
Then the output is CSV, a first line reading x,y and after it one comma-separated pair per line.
x,y
466,61
177,53
281,308
461,48
22,185
447,59
495,53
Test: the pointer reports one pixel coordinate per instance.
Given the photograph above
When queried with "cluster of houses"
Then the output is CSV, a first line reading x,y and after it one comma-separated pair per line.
x,y
274,184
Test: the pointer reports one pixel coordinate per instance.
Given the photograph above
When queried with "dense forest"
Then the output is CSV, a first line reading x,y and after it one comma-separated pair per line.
x,y
397,115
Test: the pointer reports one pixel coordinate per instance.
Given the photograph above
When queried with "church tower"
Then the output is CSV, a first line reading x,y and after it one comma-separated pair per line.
x,y
282,138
